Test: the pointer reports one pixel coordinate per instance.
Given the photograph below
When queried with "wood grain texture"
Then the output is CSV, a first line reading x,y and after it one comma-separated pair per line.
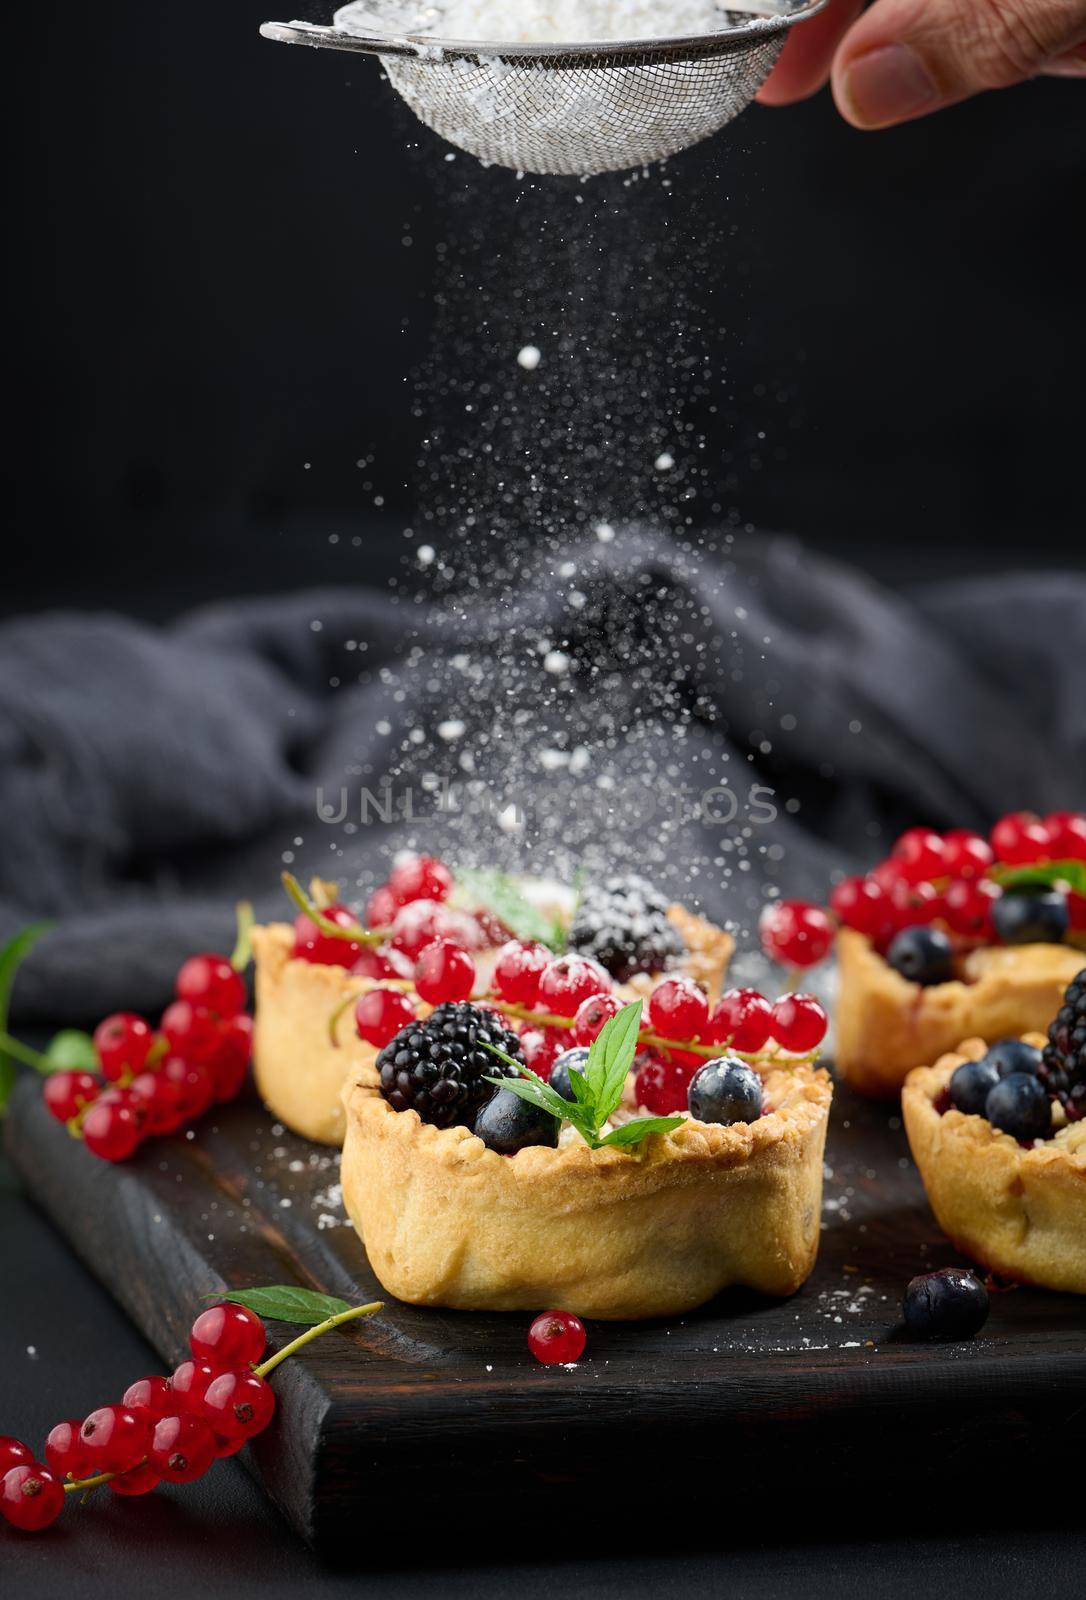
x,y
447,1410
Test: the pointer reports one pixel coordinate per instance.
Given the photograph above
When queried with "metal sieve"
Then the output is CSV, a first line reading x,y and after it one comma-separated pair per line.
x,y
566,108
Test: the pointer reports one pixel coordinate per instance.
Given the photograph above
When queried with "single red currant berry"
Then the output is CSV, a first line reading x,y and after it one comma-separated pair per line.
x,y
209,980
160,1098
795,933
123,1042
422,921
182,1448
1066,835
661,1084
678,1009
380,1014
518,970
312,944
138,1480
150,1398
967,906
387,963
569,981
887,874
30,1497
194,1084
914,905
556,1338
742,1018
239,1405
229,1065
420,878
227,1335
111,1131
14,1453
113,1439
64,1450
1019,838
592,1015
444,972
190,1031
381,907
966,854
799,1023
541,1047
859,903
227,1447
189,1383
69,1093
920,855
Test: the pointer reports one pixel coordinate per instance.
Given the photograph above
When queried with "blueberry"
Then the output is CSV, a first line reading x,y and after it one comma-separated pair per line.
x,y
971,1085
1018,1105
725,1091
948,1304
1040,917
1014,1055
559,1078
508,1124
923,955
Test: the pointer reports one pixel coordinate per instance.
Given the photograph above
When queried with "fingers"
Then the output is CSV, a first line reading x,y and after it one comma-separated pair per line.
x,y
905,58
803,66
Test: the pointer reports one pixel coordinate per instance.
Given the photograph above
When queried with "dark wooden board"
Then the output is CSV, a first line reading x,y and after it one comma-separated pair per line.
x,y
447,1410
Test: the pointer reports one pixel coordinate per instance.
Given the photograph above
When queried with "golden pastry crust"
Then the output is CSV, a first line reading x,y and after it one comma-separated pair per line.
x,y
885,1025
300,1074
603,1233
1018,1212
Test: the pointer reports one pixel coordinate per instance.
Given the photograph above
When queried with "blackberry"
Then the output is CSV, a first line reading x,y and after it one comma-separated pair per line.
x,y
622,923
439,1067
1063,1063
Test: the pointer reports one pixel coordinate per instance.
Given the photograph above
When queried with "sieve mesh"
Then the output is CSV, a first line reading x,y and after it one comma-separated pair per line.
x,y
569,109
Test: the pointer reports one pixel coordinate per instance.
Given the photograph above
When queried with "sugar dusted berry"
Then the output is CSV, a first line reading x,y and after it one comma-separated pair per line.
x,y
67,1094
380,1014
420,878
567,982
227,1335
444,971
557,1338
182,1447
123,1042
725,1091
795,932
381,907
799,1023
743,1019
209,980
518,970
113,1439
31,1497
592,1016
540,1047
420,922
1020,838
239,1404
662,1084
678,1009
623,923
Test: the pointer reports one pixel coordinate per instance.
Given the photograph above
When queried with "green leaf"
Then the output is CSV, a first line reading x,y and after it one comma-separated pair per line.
x,y
538,1093
500,893
1043,875
70,1051
13,953
630,1133
286,1302
610,1059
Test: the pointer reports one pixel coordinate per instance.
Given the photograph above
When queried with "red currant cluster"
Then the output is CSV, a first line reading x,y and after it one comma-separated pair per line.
x,y
164,1430
952,878
154,1082
403,916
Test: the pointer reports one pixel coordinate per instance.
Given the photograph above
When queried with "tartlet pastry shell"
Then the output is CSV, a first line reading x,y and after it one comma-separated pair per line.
x,y
1018,1212
607,1234
300,1074
885,1025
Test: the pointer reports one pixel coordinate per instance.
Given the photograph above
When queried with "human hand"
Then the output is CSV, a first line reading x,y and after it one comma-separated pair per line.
x,y
905,58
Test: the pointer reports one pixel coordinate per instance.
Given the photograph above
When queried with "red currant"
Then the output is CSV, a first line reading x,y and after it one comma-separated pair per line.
x,y
1019,838
420,878
860,903
920,855
229,1065
1067,835
64,1450
380,1014
182,1448
799,1023
914,905
227,1335
592,1015
743,1019
965,854
189,1383
227,1447
422,921
160,1099
69,1093
112,1131
661,1084
113,1439
137,1480
150,1398
194,1083
887,874
381,907
678,1009
123,1042
209,980
190,1031
30,1497
239,1405
968,906
14,1453
556,1338
444,972
387,963
518,970
541,1047
1076,911
796,933
312,944
569,981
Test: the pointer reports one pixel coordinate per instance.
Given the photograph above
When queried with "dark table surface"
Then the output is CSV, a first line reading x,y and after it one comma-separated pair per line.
x,y
65,1347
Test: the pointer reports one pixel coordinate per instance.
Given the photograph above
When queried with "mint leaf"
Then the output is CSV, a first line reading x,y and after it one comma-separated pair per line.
x,y
13,953
70,1051
286,1302
631,1133
1042,875
610,1059
500,893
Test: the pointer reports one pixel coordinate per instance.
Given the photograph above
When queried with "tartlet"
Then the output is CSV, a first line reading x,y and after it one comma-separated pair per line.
x,y
1018,1211
300,1073
604,1233
886,1026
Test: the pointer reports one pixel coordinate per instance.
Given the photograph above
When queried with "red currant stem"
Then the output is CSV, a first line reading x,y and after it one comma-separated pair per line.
x,y
314,1333
73,1484
160,1048
242,952
333,1020
23,1053
353,933
791,982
